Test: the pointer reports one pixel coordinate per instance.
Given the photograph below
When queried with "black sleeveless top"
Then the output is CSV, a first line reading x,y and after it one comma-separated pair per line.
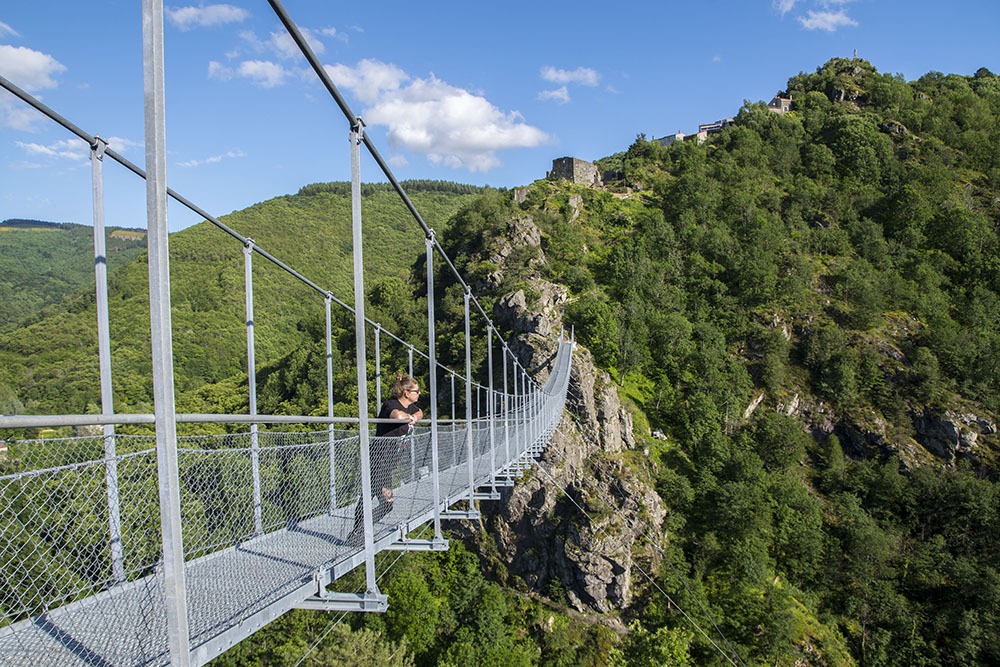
x,y
393,430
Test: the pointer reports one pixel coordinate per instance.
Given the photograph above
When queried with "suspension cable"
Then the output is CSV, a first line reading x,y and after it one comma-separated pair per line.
x,y
649,577
343,614
674,569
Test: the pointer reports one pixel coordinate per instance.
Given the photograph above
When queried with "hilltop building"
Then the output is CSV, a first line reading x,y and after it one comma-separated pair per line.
x,y
700,136
575,170
778,104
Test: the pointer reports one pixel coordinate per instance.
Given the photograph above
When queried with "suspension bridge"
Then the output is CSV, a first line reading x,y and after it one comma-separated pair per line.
x,y
167,548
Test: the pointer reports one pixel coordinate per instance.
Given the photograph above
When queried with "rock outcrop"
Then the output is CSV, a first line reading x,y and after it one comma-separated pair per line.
x,y
951,435
578,522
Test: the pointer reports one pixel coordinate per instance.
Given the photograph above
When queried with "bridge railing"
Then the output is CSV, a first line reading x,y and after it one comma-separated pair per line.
x,y
56,545
194,542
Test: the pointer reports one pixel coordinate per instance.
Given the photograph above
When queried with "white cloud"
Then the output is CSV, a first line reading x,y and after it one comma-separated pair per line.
x,y
560,95
285,47
449,125
213,159
829,21
76,150
7,30
24,164
69,149
370,80
281,45
264,73
581,75
826,14
120,144
31,70
217,70
206,16
16,115
784,6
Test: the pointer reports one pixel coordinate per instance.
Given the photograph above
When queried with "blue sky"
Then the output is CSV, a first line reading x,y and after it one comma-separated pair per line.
x,y
469,92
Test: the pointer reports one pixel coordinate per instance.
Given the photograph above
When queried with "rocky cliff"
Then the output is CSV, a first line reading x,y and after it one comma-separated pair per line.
x,y
579,523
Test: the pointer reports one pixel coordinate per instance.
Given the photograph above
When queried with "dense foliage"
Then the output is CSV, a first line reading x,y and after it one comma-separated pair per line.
x,y
836,267
49,362
42,263
841,264
844,259
445,612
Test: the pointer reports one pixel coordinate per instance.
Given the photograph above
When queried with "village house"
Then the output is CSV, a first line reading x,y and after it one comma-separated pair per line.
x,y
778,104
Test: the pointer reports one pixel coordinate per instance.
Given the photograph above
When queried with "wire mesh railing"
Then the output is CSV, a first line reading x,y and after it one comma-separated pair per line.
x,y
124,549
60,596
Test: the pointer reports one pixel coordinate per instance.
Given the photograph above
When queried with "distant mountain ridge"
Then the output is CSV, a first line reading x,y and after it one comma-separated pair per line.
x,y
22,223
47,287
42,263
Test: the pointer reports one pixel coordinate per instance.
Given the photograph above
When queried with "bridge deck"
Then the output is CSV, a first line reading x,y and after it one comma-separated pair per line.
x,y
230,594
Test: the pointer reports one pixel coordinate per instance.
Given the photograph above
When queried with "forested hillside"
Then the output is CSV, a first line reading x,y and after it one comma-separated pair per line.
x,y
49,362
806,307
42,263
804,310
802,315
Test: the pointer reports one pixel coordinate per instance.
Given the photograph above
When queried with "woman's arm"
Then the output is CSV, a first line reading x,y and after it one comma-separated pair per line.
x,y
410,416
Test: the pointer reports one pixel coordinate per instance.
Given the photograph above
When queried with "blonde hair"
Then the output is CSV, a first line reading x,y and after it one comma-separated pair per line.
x,y
402,384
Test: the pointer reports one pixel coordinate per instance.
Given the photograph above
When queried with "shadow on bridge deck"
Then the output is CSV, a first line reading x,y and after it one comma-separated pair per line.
x,y
231,593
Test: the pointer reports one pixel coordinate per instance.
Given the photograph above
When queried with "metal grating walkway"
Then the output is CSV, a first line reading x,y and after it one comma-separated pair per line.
x,y
230,594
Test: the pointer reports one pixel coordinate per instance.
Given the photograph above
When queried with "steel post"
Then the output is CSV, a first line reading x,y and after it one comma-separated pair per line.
x,y
505,409
378,365
357,131
104,359
468,400
454,424
258,521
490,410
175,589
432,364
331,431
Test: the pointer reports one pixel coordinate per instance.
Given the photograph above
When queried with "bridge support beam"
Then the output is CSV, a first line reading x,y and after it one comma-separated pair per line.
x,y
331,430
406,544
433,372
469,449
357,130
372,602
104,360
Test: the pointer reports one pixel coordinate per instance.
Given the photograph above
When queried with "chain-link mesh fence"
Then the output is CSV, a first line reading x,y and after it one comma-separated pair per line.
x,y
80,522
262,513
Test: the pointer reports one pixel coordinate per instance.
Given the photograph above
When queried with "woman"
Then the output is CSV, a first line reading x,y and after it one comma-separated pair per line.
x,y
385,453
385,450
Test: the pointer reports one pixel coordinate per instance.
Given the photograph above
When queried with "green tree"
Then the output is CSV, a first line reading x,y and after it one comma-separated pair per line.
x,y
645,648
